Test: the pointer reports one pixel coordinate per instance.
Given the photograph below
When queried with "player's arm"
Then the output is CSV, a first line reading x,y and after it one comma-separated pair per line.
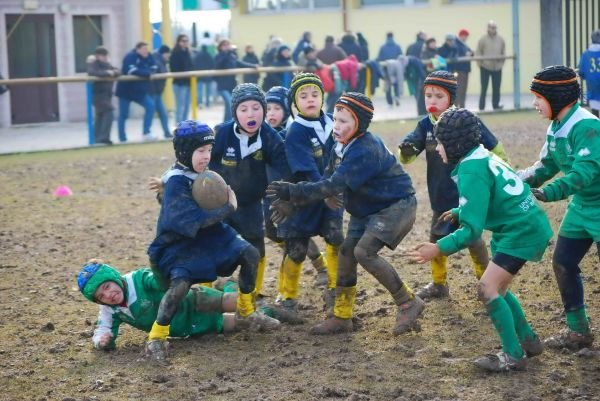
x,y
541,171
586,163
107,329
474,199
412,145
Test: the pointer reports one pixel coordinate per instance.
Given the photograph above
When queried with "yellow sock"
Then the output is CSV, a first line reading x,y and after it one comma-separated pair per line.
x,y
480,260
405,294
207,284
158,332
245,303
260,274
344,302
291,278
331,254
439,269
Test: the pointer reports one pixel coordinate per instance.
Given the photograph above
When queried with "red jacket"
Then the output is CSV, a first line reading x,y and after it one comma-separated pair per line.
x,y
349,70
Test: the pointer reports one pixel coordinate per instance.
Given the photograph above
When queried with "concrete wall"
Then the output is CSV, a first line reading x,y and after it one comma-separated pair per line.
x,y
121,29
437,18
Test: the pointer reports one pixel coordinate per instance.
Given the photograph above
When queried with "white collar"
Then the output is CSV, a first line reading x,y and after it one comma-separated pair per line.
x,y
322,133
246,150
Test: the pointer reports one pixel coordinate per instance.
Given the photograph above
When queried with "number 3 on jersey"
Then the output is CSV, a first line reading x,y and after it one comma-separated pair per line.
x,y
514,185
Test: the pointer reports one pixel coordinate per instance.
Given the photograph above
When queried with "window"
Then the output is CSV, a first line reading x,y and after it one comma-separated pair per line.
x,y
258,6
393,2
87,35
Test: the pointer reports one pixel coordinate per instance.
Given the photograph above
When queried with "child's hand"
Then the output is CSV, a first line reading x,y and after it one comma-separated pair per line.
x,y
448,216
105,340
232,198
408,149
424,252
155,184
334,203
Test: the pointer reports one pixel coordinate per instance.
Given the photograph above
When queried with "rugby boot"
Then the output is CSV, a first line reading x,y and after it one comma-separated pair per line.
x,y
340,320
256,321
286,311
433,290
158,350
570,340
408,313
532,347
333,325
500,362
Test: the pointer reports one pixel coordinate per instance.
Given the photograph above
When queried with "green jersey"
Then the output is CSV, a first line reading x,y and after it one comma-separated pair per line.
x,y
143,294
573,147
493,197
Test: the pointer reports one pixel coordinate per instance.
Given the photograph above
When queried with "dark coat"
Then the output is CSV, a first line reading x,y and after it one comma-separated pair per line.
x,y
157,86
226,61
181,60
102,91
251,58
134,64
202,60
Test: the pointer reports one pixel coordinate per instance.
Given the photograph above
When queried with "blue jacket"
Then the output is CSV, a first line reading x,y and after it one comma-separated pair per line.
x,y
368,174
191,242
449,52
134,64
463,50
589,69
225,61
243,161
389,50
443,194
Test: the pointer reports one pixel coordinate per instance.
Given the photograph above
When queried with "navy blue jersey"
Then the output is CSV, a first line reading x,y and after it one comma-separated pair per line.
x,y
308,144
368,174
242,160
443,194
192,242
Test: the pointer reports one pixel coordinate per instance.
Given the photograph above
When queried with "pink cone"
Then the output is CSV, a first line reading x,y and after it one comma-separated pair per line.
x,y
63,190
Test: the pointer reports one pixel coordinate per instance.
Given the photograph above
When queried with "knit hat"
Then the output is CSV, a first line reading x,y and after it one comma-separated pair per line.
x,y
189,135
301,80
558,85
596,37
458,130
101,50
93,275
279,95
463,31
361,108
444,80
164,49
244,92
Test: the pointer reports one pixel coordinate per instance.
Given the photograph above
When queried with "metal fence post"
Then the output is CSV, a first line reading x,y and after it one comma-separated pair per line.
x,y
90,113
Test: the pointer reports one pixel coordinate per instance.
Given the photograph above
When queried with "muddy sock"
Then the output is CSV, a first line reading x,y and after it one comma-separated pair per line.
x,y
578,321
522,327
503,321
439,269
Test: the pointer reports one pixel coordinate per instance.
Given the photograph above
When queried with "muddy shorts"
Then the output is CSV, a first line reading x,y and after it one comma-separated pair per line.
x,y
580,222
389,225
511,264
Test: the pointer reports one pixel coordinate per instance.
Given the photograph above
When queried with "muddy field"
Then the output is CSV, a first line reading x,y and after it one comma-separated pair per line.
x,y
46,325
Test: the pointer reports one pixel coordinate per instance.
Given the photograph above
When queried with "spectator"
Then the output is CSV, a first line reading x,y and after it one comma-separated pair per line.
x,y
590,71
304,41
270,52
227,59
462,69
390,49
308,60
364,46
416,48
203,60
491,45
102,92
157,87
283,59
137,62
251,58
349,45
331,52
430,50
449,50
181,60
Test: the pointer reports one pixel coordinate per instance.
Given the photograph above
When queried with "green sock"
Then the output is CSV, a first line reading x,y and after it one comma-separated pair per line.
x,y
504,323
577,321
522,327
230,286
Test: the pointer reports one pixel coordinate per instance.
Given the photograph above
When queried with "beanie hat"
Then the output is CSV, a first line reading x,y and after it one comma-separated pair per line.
x,y
463,31
189,135
444,80
279,95
93,275
458,130
164,49
596,37
244,92
301,80
101,50
558,85
361,108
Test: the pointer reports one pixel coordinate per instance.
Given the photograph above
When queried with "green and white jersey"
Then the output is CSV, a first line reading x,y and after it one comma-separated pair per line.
x,y
142,298
494,198
573,147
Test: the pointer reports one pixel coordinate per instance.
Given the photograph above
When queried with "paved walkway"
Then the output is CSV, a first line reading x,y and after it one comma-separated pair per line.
x,y
57,136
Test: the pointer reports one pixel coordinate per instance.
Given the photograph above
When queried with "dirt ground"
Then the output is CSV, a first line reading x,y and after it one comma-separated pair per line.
x,y
46,324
